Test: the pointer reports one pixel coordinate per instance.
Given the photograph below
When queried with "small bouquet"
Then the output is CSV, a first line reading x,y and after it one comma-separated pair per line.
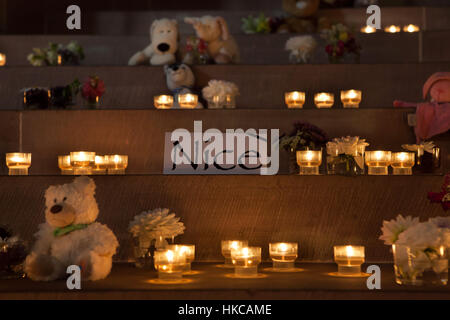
x,y
93,89
301,48
442,197
196,51
220,93
12,255
427,155
259,24
57,54
340,41
345,155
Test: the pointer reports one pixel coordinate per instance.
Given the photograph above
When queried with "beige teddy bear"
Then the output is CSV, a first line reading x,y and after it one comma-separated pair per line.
x,y
70,235
163,46
214,31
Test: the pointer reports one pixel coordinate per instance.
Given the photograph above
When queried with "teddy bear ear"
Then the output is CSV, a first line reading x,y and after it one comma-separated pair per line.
x,y
84,184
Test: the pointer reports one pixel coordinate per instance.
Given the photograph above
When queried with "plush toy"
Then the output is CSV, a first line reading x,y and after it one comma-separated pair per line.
x,y
302,16
163,46
70,235
180,80
214,31
433,117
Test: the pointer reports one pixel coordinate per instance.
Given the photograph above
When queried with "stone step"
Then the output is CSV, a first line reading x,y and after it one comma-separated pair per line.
x,y
261,87
429,46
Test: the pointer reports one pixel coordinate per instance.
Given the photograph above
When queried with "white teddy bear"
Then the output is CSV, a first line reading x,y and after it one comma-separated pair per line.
x,y
70,235
163,46
180,80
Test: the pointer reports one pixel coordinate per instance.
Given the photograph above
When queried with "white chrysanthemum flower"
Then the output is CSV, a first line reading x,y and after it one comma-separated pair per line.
x,y
346,145
422,235
301,43
393,228
220,88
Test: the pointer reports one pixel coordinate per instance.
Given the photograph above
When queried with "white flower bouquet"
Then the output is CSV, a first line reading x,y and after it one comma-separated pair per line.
x,y
301,48
220,93
345,155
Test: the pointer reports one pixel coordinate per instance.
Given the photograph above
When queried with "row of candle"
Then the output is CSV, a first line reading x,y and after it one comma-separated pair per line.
x,y
392,29
3,59
350,99
376,161
186,101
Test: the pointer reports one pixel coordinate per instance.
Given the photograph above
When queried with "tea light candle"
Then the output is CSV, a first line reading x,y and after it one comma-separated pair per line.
x,y
246,261
230,101
82,162
392,29
283,254
59,60
64,165
349,259
188,100
18,163
294,99
324,100
309,161
378,162
116,164
100,165
188,250
368,29
351,98
402,163
163,102
2,59
411,28
170,264
227,245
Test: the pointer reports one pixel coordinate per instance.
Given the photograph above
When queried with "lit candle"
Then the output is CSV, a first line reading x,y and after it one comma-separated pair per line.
x,y
411,28
64,165
349,259
188,100
351,98
2,59
309,161
246,261
227,245
116,163
59,60
294,99
283,254
188,250
324,100
230,101
170,264
100,165
163,102
82,162
368,29
18,163
402,163
378,162
392,29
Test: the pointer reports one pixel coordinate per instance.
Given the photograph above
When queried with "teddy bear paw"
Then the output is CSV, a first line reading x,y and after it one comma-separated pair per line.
x,y
41,268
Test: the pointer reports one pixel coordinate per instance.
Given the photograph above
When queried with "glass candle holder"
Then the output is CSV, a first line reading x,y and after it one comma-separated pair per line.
x,y
227,245
402,163
309,161
411,28
294,99
216,102
392,29
100,165
351,98
246,261
18,163
324,100
349,259
188,100
230,101
163,102
64,165
368,29
170,264
378,162
2,59
283,254
188,250
116,164
82,162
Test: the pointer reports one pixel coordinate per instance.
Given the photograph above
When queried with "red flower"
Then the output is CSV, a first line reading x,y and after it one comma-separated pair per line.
x,y
92,88
329,49
201,45
341,44
189,48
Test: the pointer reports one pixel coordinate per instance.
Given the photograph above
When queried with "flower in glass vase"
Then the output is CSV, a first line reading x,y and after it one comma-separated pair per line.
x,y
93,89
345,156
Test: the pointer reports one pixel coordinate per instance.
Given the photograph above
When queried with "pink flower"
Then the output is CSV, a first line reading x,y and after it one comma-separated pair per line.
x,y
92,88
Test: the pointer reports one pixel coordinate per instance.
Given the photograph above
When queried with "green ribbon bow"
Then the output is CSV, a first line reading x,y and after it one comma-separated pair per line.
x,y
58,232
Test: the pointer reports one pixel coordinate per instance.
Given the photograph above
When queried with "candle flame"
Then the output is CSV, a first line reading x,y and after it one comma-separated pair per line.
x,y
283,247
392,29
349,251
170,255
411,28
368,29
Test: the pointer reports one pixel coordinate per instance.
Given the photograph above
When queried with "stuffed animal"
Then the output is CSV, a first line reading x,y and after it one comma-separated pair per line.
x,y
432,117
214,31
70,235
180,80
163,46
302,17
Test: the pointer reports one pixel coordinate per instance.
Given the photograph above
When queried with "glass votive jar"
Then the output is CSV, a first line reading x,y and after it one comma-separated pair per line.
x,y
216,102
230,101
18,163
82,162
116,164
246,261
294,99
283,254
2,59
163,102
402,163
64,165
411,28
349,259
392,29
324,100
377,162
188,250
309,161
170,264
351,98
227,246
100,165
187,100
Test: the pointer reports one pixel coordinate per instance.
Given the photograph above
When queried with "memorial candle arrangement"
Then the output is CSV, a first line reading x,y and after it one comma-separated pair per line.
x,y
324,100
227,246
170,264
18,163
283,255
2,59
309,161
349,259
378,162
246,261
402,163
82,162
89,163
351,98
163,102
294,99
187,100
